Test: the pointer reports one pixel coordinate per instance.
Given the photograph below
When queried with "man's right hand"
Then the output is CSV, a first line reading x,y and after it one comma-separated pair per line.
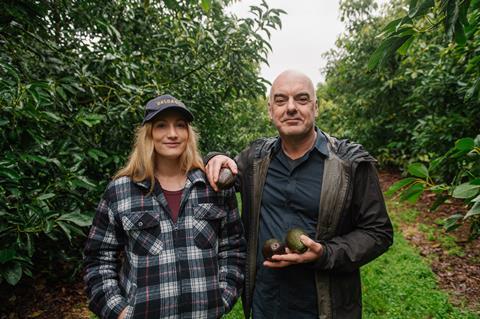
x,y
215,164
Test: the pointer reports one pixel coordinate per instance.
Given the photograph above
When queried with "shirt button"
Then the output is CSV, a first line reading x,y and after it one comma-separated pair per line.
x,y
140,224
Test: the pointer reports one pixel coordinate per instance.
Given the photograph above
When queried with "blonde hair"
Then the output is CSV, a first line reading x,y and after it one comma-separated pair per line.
x,y
141,162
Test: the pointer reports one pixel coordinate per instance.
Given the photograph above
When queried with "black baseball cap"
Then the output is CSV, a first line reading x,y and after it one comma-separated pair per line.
x,y
162,103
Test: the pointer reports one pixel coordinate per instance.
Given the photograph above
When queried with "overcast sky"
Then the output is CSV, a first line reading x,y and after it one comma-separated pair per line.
x,y
309,29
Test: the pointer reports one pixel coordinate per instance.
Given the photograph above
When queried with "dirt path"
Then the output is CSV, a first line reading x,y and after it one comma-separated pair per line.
x,y
454,259
457,273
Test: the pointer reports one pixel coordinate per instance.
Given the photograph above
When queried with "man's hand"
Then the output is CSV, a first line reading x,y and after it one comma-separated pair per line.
x,y
215,164
315,250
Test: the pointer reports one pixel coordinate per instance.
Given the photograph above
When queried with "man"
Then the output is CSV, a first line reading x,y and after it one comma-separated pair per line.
x,y
305,178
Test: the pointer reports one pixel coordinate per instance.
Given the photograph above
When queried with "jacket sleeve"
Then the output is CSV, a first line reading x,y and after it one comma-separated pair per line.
x,y
102,264
370,233
231,252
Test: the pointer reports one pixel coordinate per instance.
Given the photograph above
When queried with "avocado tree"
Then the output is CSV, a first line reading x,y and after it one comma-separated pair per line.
x,y
74,76
461,27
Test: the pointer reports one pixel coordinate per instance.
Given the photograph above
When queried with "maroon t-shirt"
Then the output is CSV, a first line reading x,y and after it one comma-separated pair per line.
x,y
173,199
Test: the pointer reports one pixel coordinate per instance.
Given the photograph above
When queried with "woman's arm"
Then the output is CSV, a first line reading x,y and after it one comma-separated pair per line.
x,y
231,252
102,264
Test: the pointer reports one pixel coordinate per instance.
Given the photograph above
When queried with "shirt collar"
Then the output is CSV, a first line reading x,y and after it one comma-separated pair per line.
x,y
193,176
320,143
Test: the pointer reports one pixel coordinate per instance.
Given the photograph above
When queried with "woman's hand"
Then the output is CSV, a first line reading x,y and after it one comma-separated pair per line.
x,y
123,314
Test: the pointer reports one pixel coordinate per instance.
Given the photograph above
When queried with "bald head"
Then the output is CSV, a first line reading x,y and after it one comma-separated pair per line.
x,y
292,107
291,79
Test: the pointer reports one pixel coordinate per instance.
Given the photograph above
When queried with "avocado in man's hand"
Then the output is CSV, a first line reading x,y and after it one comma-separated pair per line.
x,y
272,247
293,240
225,178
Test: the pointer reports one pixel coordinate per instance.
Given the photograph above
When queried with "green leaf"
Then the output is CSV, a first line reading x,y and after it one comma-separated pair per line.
x,y
206,4
418,170
52,116
475,181
393,25
39,159
61,92
466,190
96,154
476,199
77,218
413,193
10,173
387,49
474,211
439,200
434,163
48,226
412,7
452,223
7,255
65,229
83,182
46,196
170,4
90,119
399,185
465,144
379,54
13,274
30,245
404,48
420,9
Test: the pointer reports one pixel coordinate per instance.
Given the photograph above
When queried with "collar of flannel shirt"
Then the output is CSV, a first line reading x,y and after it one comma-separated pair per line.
x,y
194,176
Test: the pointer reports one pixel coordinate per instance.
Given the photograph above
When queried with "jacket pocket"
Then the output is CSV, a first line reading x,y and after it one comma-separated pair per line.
x,y
143,232
206,225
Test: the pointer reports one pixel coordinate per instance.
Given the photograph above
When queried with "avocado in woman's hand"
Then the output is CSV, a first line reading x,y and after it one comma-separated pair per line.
x,y
293,240
272,247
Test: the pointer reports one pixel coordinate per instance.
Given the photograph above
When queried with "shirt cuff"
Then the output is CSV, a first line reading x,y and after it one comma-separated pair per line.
x,y
321,262
117,308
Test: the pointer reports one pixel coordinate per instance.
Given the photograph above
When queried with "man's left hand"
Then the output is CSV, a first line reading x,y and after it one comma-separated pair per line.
x,y
314,252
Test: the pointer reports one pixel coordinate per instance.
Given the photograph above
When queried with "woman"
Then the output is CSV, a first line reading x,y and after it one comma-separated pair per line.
x,y
163,243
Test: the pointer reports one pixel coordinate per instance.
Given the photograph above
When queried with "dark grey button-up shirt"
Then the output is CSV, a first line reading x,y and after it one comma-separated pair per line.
x,y
290,198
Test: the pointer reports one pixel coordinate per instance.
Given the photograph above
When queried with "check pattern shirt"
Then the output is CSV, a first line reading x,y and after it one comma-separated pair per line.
x,y
137,258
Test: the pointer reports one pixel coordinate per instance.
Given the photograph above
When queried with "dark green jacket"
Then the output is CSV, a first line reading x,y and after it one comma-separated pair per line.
x,y
353,224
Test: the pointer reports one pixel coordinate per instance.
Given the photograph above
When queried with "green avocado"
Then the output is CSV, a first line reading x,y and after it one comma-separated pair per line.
x,y
293,240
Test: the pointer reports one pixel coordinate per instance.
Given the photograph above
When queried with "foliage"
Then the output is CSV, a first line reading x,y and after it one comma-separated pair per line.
x,y
74,76
461,21
251,118
465,184
460,179
415,105
411,109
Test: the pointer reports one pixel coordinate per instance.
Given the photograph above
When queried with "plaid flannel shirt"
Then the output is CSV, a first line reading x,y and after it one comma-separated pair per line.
x,y
136,257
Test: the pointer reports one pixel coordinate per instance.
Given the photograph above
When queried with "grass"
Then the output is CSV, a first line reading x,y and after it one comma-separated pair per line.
x,y
400,284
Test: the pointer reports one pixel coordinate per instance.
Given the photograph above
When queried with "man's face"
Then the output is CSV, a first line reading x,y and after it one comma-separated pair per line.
x,y
292,106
